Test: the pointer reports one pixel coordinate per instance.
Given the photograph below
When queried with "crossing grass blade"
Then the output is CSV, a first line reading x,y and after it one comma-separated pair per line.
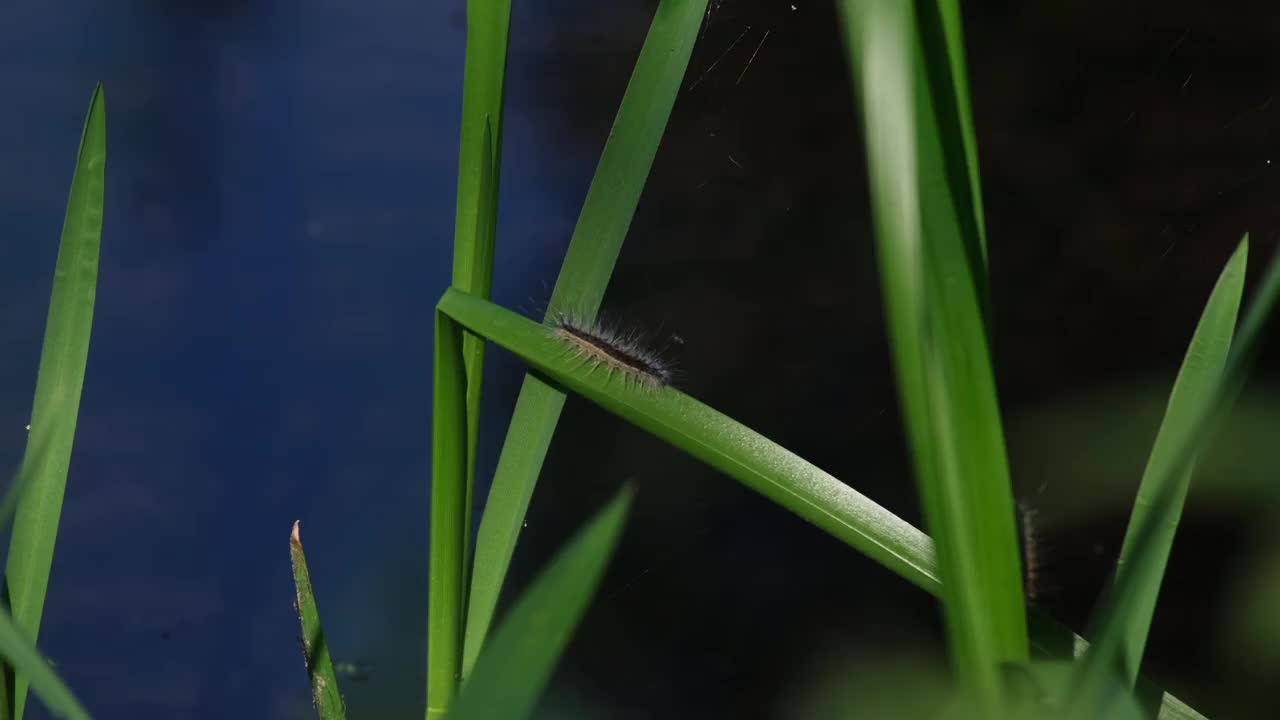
x,y
593,251
751,459
1205,359
43,475
315,651
1123,606
942,45
18,653
933,276
518,660
717,440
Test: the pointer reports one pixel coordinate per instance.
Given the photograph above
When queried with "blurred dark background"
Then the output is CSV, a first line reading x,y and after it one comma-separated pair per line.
x,y
279,225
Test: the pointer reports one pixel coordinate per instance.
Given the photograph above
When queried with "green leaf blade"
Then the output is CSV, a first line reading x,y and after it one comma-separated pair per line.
x,y
43,475
1201,369
315,651
518,661
715,439
1123,606
593,251
533,423
942,41
750,458
933,275
21,655
475,231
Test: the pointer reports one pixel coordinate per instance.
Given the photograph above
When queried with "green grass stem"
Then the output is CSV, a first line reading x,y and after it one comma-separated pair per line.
x,y
475,230
449,522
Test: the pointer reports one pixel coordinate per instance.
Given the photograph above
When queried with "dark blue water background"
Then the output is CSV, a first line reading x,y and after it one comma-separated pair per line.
x,y
279,219
280,199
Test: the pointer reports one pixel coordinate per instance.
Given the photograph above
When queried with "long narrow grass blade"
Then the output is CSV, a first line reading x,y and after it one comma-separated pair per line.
x,y
43,475
517,662
315,651
18,653
473,274
933,279
449,523
713,438
975,503
21,480
476,217
480,144
22,661
744,455
1123,604
533,423
597,240
1201,368
942,40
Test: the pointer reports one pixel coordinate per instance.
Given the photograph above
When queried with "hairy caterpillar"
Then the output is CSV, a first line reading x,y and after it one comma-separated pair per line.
x,y
618,351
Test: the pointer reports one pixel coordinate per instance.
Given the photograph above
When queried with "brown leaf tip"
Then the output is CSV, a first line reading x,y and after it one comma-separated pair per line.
x,y
293,536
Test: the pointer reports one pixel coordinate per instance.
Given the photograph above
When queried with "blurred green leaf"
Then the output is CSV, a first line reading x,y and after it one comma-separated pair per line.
x,y
517,662
1123,603
18,652
1110,432
1200,372
942,55
1053,679
315,652
42,478
873,685
934,283
597,240
1251,641
1051,640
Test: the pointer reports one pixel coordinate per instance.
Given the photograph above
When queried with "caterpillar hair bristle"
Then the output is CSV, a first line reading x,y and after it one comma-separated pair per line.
x,y
1029,540
619,352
